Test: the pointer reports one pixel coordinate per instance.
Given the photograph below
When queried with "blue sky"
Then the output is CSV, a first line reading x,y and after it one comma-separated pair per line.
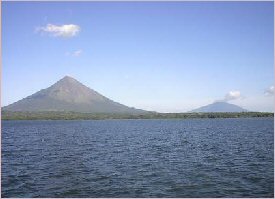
x,y
161,56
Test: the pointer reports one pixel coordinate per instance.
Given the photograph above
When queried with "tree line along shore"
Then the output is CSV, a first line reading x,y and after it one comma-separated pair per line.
x,y
67,115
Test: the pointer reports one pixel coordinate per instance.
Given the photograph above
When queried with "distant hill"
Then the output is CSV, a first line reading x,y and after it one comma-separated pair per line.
x,y
70,95
219,107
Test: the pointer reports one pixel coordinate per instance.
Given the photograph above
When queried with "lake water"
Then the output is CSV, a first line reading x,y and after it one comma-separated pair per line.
x,y
138,158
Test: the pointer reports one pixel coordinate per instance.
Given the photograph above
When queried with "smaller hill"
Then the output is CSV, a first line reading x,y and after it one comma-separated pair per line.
x,y
219,107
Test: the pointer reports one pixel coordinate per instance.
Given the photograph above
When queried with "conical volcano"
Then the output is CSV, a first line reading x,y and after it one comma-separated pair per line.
x,y
68,94
220,107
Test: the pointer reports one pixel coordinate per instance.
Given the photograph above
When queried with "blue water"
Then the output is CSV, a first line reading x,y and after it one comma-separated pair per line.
x,y
138,158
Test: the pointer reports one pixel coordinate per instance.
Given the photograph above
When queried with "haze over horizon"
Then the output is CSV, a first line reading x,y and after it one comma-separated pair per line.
x,y
156,56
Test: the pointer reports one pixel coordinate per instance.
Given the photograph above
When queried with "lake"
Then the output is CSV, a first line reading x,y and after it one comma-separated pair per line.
x,y
138,158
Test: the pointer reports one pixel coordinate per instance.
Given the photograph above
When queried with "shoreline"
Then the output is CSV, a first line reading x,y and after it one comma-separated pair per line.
x,y
52,115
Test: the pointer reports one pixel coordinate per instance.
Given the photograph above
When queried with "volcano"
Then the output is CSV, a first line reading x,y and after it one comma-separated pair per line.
x,y
220,107
68,94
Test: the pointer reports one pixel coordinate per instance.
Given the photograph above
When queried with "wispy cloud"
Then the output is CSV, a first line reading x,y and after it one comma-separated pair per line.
x,y
76,53
66,31
269,91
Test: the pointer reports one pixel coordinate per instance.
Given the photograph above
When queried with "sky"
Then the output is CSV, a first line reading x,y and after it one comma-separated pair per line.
x,y
157,56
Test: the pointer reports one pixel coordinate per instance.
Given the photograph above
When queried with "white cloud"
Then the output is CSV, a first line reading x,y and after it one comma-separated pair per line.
x,y
74,53
269,91
232,95
77,53
69,30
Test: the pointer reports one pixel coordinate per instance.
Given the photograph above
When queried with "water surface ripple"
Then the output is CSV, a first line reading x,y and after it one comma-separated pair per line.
x,y
138,158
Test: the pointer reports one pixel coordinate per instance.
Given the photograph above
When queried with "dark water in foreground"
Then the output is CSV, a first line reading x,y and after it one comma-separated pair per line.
x,y
138,158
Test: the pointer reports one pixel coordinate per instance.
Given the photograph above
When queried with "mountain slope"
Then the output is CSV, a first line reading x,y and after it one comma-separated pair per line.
x,y
69,95
220,107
